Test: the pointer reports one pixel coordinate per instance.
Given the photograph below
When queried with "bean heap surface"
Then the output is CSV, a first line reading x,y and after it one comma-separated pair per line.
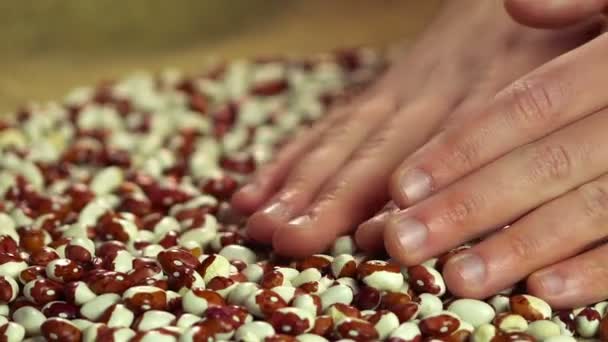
x,y
115,223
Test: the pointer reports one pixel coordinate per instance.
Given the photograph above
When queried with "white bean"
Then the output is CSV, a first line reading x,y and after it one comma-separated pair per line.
x,y
336,294
543,329
311,338
473,311
30,319
484,333
561,338
386,325
107,180
241,291
407,331
306,276
343,245
14,332
237,252
429,305
255,331
94,308
253,273
500,303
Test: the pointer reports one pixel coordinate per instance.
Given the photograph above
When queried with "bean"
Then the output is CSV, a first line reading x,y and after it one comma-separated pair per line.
x,y
472,311
543,329
530,307
254,331
429,305
336,294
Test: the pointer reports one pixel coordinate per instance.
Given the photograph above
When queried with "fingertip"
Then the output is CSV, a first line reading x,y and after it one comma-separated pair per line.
x,y
260,188
552,13
395,190
394,246
538,285
530,13
410,186
247,201
520,12
369,234
261,227
533,286
302,237
464,278
457,285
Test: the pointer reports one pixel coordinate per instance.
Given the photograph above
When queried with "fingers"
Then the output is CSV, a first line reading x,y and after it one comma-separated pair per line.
x,y
553,13
369,235
500,192
267,180
577,281
560,92
332,148
358,189
556,231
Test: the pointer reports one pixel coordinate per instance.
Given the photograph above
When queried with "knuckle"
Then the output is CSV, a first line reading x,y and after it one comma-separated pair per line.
x,y
312,168
465,155
286,152
296,182
378,104
549,163
373,147
341,131
594,198
462,210
461,154
333,191
394,183
357,118
318,156
300,179
533,102
522,247
591,270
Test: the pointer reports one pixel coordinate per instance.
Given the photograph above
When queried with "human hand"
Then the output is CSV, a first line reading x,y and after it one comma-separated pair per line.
x,y
333,176
534,156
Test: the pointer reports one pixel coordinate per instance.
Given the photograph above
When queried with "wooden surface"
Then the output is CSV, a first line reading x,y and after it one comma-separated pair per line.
x,y
50,46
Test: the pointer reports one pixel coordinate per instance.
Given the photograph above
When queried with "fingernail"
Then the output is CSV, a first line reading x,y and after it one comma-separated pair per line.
x,y
278,210
249,188
390,206
469,266
300,221
382,216
550,282
412,234
416,185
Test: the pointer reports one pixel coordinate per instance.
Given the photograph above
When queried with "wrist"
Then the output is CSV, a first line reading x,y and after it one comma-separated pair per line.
x,y
471,18
475,11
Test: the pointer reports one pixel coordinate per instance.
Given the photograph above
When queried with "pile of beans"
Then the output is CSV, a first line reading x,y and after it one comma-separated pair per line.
x,y
115,223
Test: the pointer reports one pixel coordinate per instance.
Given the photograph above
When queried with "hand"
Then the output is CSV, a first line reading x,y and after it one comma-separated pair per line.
x,y
535,156
334,176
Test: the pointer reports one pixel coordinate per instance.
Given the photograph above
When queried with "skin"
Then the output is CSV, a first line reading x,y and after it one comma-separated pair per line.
x,y
533,158
507,131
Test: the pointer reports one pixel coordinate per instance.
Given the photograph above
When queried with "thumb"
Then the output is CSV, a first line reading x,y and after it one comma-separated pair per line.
x,y
553,13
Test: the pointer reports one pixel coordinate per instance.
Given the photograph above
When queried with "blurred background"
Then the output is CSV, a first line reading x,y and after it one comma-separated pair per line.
x,y
50,46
